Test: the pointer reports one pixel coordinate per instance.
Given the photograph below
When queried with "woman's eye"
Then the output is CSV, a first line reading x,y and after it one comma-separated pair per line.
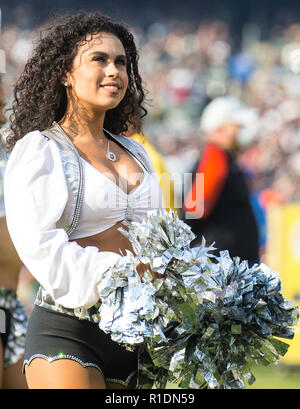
x,y
121,62
99,58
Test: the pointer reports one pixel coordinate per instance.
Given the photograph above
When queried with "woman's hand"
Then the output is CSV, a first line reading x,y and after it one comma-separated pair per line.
x,y
142,268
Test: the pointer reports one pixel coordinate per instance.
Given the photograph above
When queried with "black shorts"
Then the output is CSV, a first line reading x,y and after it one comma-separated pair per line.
x,y
52,335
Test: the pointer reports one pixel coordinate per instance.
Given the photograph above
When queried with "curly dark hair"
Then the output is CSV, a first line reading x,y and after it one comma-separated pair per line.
x,y
39,95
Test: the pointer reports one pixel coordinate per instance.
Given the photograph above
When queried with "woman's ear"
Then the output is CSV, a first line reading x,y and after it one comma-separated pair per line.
x,y
66,81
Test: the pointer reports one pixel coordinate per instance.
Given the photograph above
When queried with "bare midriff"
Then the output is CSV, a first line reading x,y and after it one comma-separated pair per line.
x,y
108,240
112,240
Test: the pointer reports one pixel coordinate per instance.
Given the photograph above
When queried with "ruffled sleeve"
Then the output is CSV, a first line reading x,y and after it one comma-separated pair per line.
x,y
35,191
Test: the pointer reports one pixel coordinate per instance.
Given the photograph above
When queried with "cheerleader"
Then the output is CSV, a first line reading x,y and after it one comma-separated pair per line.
x,y
71,181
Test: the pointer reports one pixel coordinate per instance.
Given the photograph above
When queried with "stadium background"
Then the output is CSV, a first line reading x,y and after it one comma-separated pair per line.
x,y
190,52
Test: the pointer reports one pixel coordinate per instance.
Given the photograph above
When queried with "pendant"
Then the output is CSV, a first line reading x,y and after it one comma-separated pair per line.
x,y
111,156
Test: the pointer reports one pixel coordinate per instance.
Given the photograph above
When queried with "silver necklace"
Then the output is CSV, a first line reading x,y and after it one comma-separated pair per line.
x,y
109,154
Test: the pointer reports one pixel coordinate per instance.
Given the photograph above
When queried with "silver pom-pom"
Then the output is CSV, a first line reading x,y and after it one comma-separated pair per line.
x,y
205,320
128,306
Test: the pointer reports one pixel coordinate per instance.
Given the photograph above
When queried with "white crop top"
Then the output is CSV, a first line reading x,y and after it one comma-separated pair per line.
x,y
106,204
36,193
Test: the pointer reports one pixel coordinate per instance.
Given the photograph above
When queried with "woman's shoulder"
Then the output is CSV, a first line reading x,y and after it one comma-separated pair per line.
x,y
34,146
33,141
30,140
34,160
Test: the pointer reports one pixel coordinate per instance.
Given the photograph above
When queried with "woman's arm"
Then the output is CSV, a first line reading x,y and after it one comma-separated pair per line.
x,y
35,197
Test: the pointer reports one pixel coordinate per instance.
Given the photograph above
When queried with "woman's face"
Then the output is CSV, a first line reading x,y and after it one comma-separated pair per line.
x,y
2,116
99,79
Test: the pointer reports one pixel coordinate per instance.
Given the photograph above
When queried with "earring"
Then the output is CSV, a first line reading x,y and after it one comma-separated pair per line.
x,y
66,84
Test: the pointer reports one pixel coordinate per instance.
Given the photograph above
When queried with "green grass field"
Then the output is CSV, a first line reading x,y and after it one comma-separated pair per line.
x,y
271,377
276,377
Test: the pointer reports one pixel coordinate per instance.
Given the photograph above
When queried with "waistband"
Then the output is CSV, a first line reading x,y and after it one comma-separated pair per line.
x,y
45,300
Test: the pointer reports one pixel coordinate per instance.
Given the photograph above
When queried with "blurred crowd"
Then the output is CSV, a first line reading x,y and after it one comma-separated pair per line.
x,y
186,65
184,69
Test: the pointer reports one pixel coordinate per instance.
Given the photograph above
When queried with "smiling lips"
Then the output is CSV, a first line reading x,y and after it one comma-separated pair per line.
x,y
111,87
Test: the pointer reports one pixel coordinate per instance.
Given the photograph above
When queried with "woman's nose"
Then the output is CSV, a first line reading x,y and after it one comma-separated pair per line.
x,y
112,70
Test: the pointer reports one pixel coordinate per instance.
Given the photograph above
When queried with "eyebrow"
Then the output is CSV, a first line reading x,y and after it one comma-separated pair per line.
x,y
103,54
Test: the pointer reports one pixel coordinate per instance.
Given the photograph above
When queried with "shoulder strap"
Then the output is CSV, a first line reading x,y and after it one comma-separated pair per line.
x,y
74,176
128,144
